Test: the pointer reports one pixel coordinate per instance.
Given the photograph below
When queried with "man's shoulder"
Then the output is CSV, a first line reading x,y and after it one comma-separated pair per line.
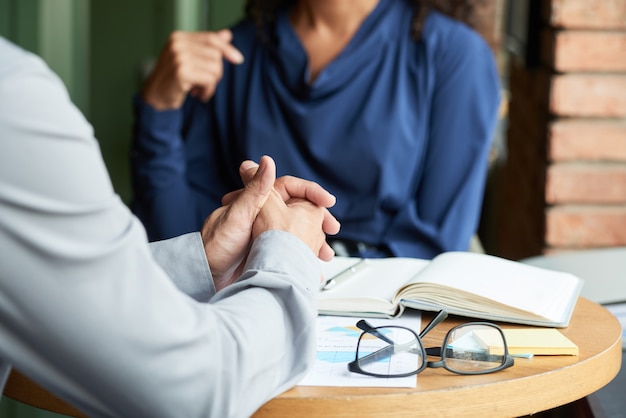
x,y
14,59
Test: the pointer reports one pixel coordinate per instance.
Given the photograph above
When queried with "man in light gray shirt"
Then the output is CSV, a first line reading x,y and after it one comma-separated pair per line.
x,y
213,323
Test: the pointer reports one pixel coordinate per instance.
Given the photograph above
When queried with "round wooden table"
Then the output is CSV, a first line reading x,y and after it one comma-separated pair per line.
x,y
530,386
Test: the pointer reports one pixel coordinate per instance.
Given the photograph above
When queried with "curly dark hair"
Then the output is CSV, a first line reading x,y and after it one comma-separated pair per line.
x,y
262,12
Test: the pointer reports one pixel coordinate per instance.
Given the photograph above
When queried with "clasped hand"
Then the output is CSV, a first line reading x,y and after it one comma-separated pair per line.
x,y
265,203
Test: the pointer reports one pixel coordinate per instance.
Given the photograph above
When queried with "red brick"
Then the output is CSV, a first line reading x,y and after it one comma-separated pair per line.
x,y
576,226
602,14
586,183
587,139
596,95
589,51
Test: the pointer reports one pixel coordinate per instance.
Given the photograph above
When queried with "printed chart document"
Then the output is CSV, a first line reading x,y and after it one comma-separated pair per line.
x,y
467,284
337,337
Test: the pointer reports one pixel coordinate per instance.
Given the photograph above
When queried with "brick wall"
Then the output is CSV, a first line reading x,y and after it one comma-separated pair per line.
x,y
563,186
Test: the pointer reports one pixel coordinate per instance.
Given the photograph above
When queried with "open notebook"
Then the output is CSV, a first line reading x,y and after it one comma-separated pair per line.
x,y
467,284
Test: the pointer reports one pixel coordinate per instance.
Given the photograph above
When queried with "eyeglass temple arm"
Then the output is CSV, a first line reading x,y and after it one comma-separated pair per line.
x,y
367,327
434,322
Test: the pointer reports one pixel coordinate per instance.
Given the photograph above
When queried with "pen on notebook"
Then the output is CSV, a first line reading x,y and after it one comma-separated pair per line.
x,y
344,275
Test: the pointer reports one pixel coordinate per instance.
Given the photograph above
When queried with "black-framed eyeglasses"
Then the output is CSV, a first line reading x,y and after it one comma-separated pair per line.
x,y
396,351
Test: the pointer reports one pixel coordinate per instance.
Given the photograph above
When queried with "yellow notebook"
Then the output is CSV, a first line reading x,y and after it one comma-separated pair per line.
x,y
535,341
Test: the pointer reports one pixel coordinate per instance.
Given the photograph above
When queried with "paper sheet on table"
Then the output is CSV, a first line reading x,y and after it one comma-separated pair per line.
x,y
337,338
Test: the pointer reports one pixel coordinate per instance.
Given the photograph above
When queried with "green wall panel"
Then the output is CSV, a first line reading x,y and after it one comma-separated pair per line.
x,y
224,12
19,22
5,18
125,37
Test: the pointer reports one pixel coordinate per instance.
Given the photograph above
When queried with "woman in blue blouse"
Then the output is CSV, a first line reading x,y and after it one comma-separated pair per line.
x,y
389,104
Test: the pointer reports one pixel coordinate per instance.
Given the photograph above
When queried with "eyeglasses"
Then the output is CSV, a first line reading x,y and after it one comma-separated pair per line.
x,y
396,351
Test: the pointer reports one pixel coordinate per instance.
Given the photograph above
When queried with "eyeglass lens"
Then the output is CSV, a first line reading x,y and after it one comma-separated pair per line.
x,y
474,348
400,354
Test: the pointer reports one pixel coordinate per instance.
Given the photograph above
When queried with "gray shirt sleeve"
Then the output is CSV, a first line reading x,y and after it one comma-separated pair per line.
x,y
184,260
87,312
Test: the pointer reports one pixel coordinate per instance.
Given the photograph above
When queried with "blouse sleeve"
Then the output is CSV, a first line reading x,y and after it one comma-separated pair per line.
x,y
163,199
